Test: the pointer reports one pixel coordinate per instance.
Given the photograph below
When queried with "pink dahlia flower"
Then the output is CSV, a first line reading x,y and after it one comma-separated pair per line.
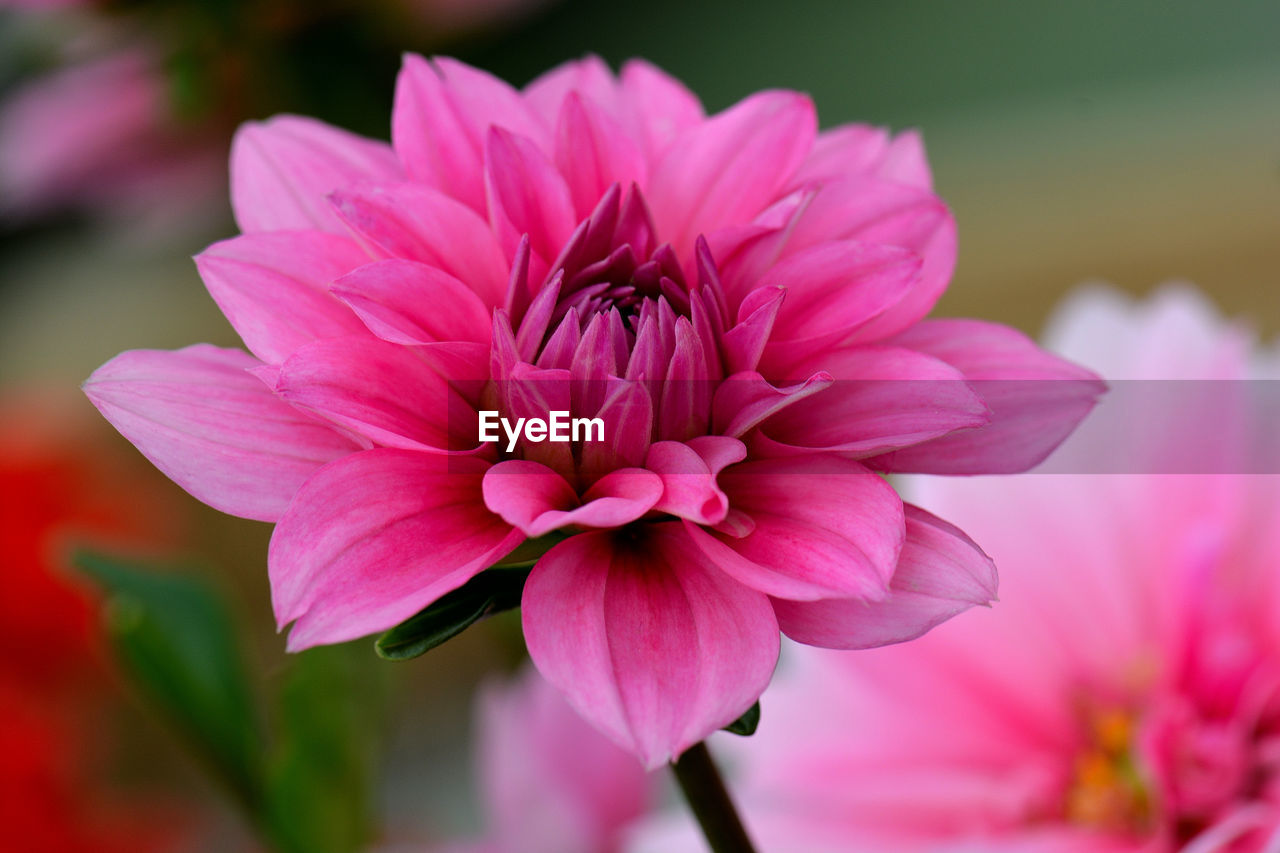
x,y
1124,695
737,298
99,134
549,782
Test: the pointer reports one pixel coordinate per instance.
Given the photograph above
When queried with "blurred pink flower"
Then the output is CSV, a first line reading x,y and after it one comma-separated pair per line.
x,y
1124,695
101,134
549,782
737,297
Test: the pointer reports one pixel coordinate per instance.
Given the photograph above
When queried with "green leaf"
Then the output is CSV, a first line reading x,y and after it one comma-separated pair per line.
x,y
175,639
320,774
489,592
747,723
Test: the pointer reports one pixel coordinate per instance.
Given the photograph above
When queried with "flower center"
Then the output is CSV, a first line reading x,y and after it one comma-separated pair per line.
x,y
1106,790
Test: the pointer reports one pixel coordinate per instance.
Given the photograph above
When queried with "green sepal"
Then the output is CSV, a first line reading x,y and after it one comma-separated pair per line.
x,y
746,725
489,592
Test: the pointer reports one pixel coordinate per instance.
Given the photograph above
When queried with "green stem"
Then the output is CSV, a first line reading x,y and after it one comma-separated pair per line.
x,y
704,790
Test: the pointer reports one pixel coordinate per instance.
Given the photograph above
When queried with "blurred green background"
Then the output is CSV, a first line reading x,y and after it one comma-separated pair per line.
x,y
1132,142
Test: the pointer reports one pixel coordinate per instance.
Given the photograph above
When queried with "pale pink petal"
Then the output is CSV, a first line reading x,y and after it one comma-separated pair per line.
x,y
663,106
844,545
646,641
883,398
941,572
272,288
593,152
905,161
589,77
389,394
282,170
1036,400
526,195
688,473
442,115
375,537
417,223
213,428
536,499
550,782
411,303
729,168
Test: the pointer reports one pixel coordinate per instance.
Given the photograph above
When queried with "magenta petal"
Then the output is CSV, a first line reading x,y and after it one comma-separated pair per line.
x,y
213,428
882,398
1036,399
729,168
537,500
272,288
647,642
845,544
417,223
375,537
282,169
941,573
746,399
443,110
390,394
688,473
411,303
526,195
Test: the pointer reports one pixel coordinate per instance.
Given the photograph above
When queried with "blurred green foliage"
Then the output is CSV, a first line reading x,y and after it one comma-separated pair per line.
x,y
305,780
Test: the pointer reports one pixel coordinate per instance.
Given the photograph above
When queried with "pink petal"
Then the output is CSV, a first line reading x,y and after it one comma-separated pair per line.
x,y
850,149
375,537
832,289
905,161
729,168
589,77
282,170
844,545
1036,400
941,573
443,112
593,152
411,303
882,398
744,344
744,400
663,107
213,428
526,195
688,473
873,211
627,413
272,288
550,782
416,223
390,394
537,500
655,648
